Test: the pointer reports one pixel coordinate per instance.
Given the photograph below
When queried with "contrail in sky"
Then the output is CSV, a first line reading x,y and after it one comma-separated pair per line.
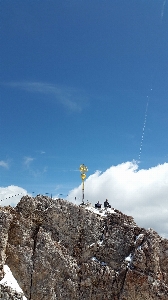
x,y
143,130
162,12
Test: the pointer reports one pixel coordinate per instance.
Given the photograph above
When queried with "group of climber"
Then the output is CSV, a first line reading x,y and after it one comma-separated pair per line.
x,y
106,204
98,204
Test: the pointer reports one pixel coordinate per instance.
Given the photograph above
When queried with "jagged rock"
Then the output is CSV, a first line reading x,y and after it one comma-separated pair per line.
x,y
7,293
5,221
58,250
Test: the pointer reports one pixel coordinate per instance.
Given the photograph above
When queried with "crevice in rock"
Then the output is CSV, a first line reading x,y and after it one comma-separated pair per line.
x,y
79,257
33,257
123,282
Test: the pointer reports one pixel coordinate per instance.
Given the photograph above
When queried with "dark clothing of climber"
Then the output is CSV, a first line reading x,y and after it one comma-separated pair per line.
x,y
98,205
106,204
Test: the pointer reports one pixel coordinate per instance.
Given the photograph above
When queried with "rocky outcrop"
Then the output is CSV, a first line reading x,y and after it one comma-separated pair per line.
x,y
6,218
58,250
7,293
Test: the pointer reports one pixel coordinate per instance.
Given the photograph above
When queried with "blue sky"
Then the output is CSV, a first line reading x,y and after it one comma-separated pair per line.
x,y
75,79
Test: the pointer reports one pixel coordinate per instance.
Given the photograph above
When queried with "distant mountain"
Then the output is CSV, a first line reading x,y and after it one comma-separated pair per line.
x,y
58,250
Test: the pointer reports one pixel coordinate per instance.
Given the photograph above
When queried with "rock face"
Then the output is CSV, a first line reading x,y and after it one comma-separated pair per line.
x,y
7,293
58,250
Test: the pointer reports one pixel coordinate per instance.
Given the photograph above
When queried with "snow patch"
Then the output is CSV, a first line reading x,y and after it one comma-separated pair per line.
x,y
9,280
100,211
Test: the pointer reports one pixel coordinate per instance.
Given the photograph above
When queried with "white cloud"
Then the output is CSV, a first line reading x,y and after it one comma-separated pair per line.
x,y
4,164
11,195
34,172
42,152
27,161
71,98
139,193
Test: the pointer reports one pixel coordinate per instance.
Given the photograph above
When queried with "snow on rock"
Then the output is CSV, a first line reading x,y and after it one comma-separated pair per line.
x,y
9,280
100,211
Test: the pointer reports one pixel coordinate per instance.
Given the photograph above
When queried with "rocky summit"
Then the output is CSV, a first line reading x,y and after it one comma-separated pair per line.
x,y
58,250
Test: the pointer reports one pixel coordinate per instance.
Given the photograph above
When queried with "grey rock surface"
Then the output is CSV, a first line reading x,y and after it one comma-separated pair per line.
x,y
7,293
58,250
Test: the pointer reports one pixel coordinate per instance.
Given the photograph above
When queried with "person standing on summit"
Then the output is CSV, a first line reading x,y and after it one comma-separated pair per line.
x,y
106,204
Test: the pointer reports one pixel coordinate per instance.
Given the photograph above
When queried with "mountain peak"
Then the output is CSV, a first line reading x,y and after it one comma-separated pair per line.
x,y
59,250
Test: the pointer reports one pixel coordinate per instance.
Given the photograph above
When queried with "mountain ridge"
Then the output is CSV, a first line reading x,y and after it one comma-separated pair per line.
x,y
59,250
